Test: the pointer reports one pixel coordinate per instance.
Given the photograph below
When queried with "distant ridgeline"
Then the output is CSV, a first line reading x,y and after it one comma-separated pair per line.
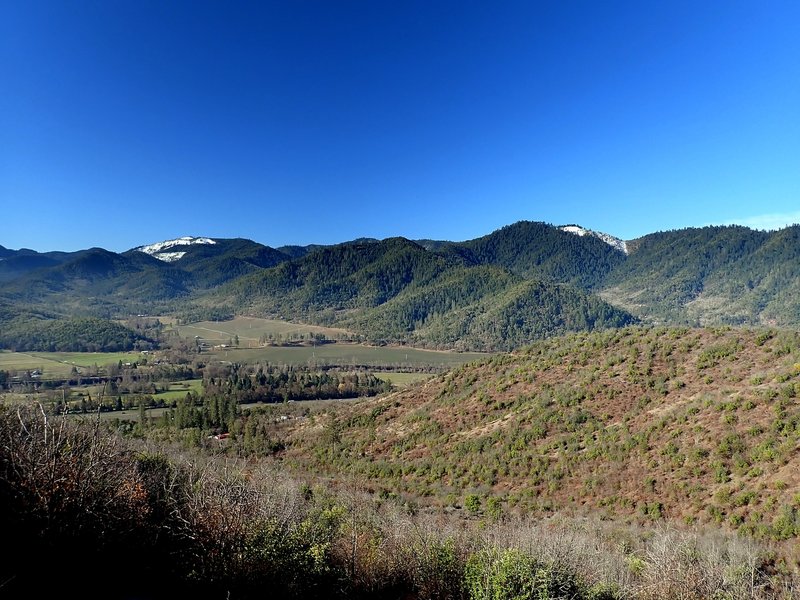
x,y
523,282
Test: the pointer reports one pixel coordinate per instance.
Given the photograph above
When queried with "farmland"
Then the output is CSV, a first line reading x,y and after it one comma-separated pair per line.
x,y
260,341
402,380
179,389
119,381
346,355
60,364
251,330
284,343
115,383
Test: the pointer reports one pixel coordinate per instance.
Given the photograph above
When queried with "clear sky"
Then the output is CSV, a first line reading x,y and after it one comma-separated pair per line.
x,y
129,122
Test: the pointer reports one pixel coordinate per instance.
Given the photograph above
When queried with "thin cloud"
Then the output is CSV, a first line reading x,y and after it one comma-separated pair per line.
x,y
768,222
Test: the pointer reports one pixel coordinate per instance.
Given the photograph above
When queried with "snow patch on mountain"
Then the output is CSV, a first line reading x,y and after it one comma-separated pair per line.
x,y
612,241
169,256
159,249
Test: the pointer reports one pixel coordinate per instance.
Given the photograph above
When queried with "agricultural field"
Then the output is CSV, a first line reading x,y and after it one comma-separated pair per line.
x,y
291,409
60,364
402,380
179,389
123,415
347,355
252,331
402,366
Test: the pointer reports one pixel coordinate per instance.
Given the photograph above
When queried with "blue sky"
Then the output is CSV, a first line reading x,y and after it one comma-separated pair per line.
x,y
128,122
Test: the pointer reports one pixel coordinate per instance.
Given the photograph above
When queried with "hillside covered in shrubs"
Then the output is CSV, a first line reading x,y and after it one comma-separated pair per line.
x,y
648,425
92,514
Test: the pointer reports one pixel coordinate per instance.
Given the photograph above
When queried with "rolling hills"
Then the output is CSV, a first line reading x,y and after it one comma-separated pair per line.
x,y
731,275
520,283
594,411
395,290
690,425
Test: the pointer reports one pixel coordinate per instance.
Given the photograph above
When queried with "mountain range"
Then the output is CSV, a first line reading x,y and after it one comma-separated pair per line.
x,y
526,281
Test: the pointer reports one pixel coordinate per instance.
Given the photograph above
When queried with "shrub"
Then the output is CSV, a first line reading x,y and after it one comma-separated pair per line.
x,y
70,490
494,574
438,570
786,524
472,503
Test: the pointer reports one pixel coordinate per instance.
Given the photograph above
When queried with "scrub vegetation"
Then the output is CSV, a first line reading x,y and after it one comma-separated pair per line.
x,y
123,517
636,463
307,422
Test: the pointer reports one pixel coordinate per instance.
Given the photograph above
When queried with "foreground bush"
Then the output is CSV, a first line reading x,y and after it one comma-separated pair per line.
x,y
94,514
493,574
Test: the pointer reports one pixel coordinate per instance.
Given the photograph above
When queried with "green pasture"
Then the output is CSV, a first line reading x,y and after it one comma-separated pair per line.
x,y
291,408
345,355
59,364
88,359
250,330
178,389
20,361
123,415
402,380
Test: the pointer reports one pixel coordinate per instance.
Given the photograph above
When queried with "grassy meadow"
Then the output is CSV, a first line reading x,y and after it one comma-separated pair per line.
x,y
346,355
402,366
402,380
59,364
251,330
179,389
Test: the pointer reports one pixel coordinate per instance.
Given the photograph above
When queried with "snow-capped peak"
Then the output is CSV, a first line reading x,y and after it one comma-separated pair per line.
x,y
159,249
612,241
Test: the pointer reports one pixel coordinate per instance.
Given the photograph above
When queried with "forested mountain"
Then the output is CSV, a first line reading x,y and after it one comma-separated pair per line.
x,y
210,265
711,275
482,308
16,263
298,251
102,283
28,330
193,253
539,250
336,278
99,283
395,290
517,284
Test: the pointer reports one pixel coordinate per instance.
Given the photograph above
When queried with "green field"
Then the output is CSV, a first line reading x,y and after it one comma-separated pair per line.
x,y
122,415
402,380
291,408
346,355
179,389
59,364
250,330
